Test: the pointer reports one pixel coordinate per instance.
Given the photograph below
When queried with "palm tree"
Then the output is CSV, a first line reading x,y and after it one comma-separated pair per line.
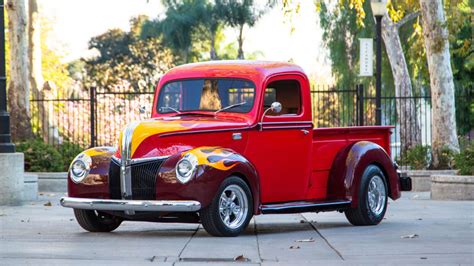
x,y
238,13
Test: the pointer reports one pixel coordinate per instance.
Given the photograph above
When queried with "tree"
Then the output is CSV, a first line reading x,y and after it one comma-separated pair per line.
x,y
18,88
239,13
407,117
46,121
213,20
178,28
435,35
461,25
126,60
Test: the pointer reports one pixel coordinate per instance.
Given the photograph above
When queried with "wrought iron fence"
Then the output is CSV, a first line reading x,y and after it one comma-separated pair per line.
x,y
95,117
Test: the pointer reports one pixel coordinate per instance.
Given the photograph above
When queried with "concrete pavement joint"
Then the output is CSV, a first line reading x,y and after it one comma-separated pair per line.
x,y
321,235
185,245
256,236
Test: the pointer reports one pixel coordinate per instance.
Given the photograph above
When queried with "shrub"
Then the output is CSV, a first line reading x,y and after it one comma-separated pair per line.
x,y
416,157
68,151
464,161
446,158
40,157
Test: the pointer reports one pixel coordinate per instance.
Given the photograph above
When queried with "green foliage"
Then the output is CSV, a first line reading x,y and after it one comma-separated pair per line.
x,y
464,161
126,60
68,151
340,35
238,13
178,29
416,157
462,58
43,157
53,69
40,157
446,158
191,27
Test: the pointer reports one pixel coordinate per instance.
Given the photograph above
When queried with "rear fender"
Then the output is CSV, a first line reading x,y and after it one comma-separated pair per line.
x,y
214,165
349,166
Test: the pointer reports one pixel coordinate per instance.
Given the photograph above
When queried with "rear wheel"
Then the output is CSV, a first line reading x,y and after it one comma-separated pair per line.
x,y
95,221
231,209
372,198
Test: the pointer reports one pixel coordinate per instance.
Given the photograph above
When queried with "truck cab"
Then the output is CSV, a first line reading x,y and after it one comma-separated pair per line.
x,y
228,140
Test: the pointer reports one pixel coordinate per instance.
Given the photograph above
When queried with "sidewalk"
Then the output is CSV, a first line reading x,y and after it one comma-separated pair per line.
x,y
442,232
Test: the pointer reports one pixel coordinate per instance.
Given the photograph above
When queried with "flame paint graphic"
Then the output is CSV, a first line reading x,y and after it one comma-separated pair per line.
x,y
98,151
215,157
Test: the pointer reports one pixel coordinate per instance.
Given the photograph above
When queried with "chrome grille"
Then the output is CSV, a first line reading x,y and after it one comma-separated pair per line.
x,y
143,177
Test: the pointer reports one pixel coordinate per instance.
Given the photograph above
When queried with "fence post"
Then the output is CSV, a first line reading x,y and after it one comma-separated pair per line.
x,y
92,107
360,103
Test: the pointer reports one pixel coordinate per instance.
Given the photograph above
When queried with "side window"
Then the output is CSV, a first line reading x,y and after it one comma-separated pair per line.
x,y
288,93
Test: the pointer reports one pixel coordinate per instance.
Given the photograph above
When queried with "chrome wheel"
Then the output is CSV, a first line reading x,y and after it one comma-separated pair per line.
x,y
233,206
376,195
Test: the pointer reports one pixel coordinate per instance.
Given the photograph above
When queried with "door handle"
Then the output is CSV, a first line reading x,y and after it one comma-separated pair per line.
x,y
306,132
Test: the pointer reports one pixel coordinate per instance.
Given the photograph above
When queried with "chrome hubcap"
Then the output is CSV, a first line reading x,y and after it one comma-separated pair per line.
x,y
233,206
376,195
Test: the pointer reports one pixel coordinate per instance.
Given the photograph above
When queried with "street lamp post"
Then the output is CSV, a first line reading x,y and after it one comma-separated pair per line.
x,y
379,8
6,146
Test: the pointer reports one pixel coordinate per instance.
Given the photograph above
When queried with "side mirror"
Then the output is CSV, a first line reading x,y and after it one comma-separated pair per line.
x,y
275,107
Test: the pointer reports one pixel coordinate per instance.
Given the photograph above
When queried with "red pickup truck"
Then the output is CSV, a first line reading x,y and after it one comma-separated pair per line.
x,y
228,140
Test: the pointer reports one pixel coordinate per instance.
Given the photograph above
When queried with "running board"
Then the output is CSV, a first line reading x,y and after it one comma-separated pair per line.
x,y
305,206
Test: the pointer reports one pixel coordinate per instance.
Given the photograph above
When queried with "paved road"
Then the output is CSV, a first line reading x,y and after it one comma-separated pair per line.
x,y
48,235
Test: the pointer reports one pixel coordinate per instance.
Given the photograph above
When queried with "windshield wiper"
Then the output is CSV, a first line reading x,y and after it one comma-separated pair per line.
x,y
230,107
171,108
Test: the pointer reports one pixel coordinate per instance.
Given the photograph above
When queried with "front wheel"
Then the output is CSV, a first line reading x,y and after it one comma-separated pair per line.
x,y
372,198
231,209
94,221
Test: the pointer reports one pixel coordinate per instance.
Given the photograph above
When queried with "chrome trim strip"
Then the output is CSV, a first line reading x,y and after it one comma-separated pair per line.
x,y
289,206
142,160
131,205
125,170
286,122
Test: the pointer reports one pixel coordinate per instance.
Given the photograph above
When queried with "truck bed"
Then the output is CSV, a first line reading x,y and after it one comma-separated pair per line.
x,y
327,142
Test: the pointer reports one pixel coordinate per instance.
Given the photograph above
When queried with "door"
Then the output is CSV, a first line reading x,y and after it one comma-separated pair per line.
x,y
280,148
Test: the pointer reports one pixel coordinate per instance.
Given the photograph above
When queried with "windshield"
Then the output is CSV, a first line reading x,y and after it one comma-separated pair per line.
x,y
206,95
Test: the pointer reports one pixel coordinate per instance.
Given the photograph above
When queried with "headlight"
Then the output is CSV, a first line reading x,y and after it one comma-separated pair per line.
x,y
186,167
80,167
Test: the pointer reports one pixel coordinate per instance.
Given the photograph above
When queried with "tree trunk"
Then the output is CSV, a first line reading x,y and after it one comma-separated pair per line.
x,y
213,53
407,118
18,88
435,35
35,69
241,43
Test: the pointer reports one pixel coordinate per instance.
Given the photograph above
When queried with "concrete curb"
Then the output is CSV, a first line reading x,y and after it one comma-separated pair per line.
x,y
52,181
452,187
421,179
30,189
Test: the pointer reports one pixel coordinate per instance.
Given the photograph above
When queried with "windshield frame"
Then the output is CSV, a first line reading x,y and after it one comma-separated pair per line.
x,y
158,97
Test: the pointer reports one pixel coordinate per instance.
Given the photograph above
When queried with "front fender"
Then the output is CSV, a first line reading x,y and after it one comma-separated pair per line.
x,y
95,184
349,165
214,165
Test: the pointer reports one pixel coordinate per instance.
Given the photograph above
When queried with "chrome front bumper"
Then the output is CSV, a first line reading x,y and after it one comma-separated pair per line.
x,y
131,205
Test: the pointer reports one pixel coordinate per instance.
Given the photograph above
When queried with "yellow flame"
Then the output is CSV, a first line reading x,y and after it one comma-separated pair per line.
x,y
203,156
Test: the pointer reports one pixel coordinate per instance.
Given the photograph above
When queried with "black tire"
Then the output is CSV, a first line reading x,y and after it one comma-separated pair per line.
x,y
94,221
211,218
363,214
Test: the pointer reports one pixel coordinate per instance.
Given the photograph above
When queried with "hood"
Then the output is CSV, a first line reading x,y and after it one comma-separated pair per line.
x,y
142,130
